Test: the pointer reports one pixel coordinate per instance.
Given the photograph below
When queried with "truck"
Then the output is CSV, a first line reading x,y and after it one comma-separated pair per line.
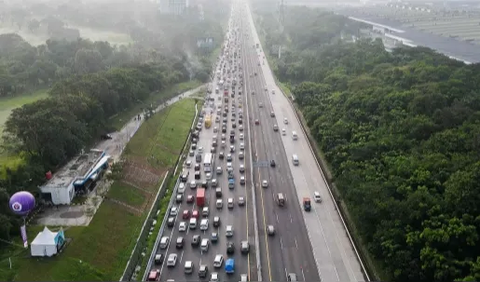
x,y
200,197
208,121
230,266
307,204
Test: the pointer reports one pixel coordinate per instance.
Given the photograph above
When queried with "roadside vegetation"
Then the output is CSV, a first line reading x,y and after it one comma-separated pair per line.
x,y
400,132
100,251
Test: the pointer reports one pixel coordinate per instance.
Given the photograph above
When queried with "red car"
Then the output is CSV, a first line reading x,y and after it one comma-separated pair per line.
x,y
190,199
195,214
257,121
186,214
154,275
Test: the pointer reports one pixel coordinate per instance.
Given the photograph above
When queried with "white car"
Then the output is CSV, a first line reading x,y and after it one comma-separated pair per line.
x,y
242,180
173,211
317,197
264,183
218,261
229,231
188,163
182,227
230,203
200,150
193,184
172,260
242,168
241,136
242,146
285,120
214,277
243,278
260,105
284,132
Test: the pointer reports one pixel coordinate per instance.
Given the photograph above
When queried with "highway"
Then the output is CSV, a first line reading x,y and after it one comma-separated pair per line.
x,y
240,217
289,250
333,253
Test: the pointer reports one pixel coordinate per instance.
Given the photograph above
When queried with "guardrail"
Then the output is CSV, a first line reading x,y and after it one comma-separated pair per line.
x,y
170,203
140,244
337,208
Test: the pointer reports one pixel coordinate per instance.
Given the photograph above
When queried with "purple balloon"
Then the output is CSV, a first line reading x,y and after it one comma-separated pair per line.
x,y
22,202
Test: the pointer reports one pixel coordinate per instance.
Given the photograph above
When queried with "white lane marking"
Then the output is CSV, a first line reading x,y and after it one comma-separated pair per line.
x,y
276,214
286,273
291,218
303,274
281,243
181,256
296,243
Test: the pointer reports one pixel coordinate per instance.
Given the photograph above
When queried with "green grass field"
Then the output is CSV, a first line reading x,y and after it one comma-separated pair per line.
x,y
6,107
162,136
100,251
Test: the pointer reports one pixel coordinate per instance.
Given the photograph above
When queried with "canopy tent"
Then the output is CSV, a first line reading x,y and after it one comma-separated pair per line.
x,y
47,243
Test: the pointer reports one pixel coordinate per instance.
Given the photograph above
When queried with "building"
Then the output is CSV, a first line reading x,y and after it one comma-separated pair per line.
x,y
77,177
175,7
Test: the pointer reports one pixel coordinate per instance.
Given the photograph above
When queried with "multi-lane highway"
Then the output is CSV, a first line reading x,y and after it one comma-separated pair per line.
x,y
334,254
312,246
240,217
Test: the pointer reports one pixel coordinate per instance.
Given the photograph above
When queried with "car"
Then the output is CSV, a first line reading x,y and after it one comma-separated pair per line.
x,y
216,221
272,114
172,260
191,153
272,163
275,127
171,221
242,180
243,278
257,122
189,266
230,248
180,241
229,231
214,182
244,247
264,183
195,240
186,214
195,214
230,203
284,132
214,237
218,261
241,155
214,277
154,275
188,163
285,121
193,184
273,91
193,147
182,227
202,271
159,258
197,167
190,199
229,157
241,168
179,198
173,211
241,136
260,105
292,277
200,150
232,149
253,92
270,230
241,201
106,136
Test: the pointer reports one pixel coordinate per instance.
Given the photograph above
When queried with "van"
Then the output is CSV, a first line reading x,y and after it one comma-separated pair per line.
x,y
164,242
295,160
193,223
294,135
205,245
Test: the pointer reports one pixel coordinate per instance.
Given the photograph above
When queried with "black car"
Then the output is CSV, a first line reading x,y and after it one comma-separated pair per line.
x,y
171,222
196,240
221,155
204,184
159,258
224,129
197,167
106,136
230,248
272,163
197,175
216,221
180,242
179,198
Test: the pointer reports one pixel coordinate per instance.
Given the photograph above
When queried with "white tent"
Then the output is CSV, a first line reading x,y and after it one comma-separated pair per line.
x,y
44,244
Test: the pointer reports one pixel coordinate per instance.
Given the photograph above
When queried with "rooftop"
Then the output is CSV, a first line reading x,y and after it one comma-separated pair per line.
x,y
79,167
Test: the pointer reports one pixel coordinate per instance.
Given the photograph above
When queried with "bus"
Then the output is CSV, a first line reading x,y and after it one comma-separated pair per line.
x,y
208,162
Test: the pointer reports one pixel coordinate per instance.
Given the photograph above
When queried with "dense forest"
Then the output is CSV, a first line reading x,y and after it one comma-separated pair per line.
x,y
401,132
88,83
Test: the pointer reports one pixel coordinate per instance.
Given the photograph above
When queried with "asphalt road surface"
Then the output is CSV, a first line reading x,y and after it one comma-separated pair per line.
x,y
333,254
289,250
238,217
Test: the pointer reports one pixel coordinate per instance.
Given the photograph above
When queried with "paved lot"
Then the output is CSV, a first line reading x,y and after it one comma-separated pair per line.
x,y
332,251
238,217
